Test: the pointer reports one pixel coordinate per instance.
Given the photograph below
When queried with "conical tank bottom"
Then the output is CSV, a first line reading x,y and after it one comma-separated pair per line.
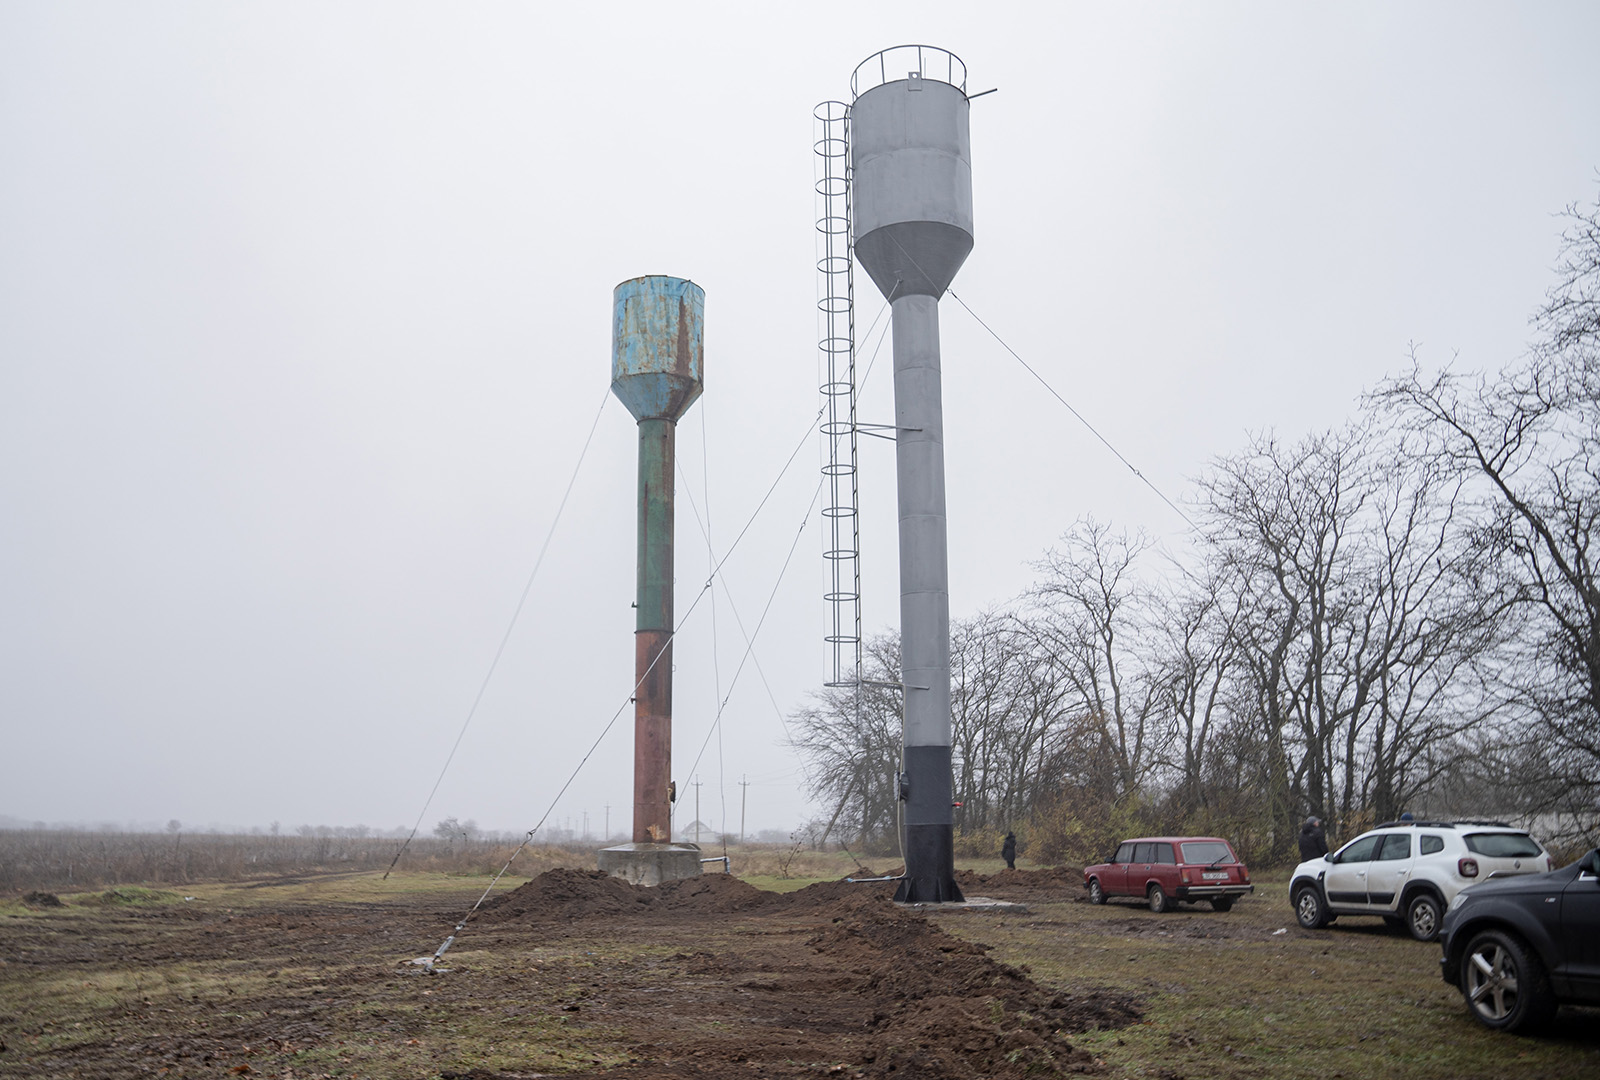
x,y
912,258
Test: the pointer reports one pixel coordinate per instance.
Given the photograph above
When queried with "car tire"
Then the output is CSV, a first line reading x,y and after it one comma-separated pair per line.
x,y
1097,895
1156,896
1222,903
1423,915
1310,909
1505,984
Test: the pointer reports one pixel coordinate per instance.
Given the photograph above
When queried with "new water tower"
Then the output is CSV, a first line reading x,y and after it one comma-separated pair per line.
x,y
911,169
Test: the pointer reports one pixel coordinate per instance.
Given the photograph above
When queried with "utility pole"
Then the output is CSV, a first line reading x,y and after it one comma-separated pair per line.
x,y
608,823
697,809
744,784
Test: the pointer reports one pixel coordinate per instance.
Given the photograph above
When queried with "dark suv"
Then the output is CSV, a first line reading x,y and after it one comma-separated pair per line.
x,y
1519,947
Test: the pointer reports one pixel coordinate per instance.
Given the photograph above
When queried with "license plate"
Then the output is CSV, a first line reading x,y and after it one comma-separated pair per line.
x,y
1219,875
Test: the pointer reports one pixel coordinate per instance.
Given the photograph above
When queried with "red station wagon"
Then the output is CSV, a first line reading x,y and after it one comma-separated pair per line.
x,y
1167,870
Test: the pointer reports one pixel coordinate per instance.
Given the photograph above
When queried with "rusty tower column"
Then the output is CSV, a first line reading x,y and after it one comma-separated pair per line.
x,y
657,352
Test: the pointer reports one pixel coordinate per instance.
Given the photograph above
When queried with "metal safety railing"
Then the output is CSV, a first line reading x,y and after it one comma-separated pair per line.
x,y
836,344
908,61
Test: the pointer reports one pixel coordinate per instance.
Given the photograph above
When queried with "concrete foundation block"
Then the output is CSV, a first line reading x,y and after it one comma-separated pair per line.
x,y
651,864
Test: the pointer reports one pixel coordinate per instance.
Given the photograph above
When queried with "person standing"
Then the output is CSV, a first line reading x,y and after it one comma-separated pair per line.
x,y
1313,841
1008,851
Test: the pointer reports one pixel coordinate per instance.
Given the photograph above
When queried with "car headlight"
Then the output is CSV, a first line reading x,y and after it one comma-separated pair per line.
x,y
1460,898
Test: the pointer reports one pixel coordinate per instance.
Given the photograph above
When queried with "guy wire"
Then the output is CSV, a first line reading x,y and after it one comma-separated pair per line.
x,y
504,638
1092,430
716,724
528,838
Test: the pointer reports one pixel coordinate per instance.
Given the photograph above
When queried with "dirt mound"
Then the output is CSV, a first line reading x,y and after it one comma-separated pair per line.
x,y
910,959
838,899
964,1013
712,894
1055,884
42,900
564,895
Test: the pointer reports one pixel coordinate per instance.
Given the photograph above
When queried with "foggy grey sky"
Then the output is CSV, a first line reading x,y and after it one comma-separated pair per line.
x,y
304,317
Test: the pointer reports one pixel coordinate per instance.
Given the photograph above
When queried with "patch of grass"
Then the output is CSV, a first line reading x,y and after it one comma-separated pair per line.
x,y
781,884
1226,997
123,896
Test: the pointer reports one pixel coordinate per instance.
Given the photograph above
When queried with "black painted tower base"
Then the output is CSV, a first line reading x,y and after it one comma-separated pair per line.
x,y
930,866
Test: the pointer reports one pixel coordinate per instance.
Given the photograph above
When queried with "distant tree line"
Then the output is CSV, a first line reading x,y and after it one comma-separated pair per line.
x,y
66,860
1396,614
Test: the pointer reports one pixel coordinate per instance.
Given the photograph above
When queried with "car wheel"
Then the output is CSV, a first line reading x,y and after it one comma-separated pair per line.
x,y
1222,903
1097,895
1504,983
1310,911
1157,897
1422,917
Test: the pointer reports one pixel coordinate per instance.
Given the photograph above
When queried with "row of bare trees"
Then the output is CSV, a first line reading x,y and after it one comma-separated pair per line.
x,y
1397,614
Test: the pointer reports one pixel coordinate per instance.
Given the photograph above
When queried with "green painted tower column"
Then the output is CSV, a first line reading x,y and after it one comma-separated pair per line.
x,y
657,345
652,718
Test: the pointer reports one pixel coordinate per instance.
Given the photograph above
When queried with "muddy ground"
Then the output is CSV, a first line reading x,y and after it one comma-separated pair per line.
x,y
575,974
572,972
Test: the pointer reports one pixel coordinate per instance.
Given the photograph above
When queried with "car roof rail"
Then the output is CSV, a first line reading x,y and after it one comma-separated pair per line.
x,y
1423,824
1493,824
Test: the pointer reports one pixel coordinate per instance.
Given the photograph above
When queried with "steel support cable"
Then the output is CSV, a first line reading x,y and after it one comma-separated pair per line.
x,y
1080,417
504,638
760,671
528,838
734,607
716,724
871,361
716,665
868,337
1092,429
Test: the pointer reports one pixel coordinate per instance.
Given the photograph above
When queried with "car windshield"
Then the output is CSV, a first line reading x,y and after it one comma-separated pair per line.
x,y
1502,845
1207,851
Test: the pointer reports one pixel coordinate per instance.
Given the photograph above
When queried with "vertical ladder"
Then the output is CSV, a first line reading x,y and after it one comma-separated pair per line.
x,y
836,340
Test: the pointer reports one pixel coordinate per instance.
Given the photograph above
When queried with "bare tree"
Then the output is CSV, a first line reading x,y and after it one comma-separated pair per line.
x,y
850,736
1087,616
1279,518
1529,441
1198,625
1006,693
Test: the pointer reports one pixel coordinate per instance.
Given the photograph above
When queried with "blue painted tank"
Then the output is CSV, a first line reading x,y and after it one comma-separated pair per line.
x,y
657,345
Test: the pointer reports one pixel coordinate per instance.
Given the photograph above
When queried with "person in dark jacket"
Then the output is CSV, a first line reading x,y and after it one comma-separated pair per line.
x,y
1313,841
1008,851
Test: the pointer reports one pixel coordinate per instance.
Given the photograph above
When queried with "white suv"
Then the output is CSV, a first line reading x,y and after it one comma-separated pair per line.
x,y
1409,871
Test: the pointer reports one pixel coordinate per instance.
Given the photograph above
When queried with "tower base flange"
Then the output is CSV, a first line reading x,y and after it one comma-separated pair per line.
x,y
651,864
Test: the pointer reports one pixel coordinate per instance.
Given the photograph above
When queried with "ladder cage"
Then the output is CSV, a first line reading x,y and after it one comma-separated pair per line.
x,y
836,346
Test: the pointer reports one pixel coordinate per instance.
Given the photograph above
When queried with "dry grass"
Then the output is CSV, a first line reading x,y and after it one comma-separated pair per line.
x,y
57,859
1226,996
1354,1001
